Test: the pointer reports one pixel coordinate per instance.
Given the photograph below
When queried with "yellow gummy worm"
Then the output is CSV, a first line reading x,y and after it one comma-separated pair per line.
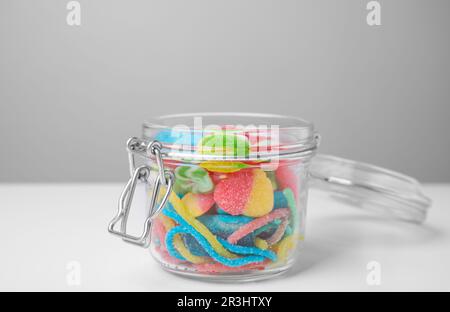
x,y
283,247
167,222
223,166
261,244
200,227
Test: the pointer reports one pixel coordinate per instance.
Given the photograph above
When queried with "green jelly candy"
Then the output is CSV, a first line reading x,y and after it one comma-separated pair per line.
x,y
225,144
192,179
293,207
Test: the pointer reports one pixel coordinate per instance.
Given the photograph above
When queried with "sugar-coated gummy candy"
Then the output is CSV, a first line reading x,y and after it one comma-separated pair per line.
x,y
287,178
283,247
223,143
193,245
198,204
250,227
290,198
176,210
247,192
223,166
225,225
216,177
178,137
192,179
279,200
217,248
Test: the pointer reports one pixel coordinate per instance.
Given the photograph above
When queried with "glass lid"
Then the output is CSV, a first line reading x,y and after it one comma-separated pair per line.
x,y
370,187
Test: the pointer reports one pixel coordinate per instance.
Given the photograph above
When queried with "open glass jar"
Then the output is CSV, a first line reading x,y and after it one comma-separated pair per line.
x,y
227,193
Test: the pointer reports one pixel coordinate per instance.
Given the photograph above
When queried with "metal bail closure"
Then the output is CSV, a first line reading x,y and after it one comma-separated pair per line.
x,y
142,173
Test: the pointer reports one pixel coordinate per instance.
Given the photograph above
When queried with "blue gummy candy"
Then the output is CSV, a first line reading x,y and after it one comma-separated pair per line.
x,y
165,136
279,200
288,231
194,247
225,225
222,212
169,136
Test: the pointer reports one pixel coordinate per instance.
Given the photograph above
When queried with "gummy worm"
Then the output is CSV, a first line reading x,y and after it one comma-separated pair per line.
x,y
186,217
180,248
261,243
166,256
268,226
292,206
160,226
168,223
220,268
186,253
283,247
187,228
257,223
278,235
172,234
177,249
244,250
159,230
223,166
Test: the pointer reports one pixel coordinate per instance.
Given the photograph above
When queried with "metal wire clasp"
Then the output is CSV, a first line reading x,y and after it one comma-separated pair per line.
x,y
142,173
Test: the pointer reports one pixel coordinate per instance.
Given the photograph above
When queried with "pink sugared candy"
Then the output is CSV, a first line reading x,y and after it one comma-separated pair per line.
x,y
247,192
198,204
286,178
216,177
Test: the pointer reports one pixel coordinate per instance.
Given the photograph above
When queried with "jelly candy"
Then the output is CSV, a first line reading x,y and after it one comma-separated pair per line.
x,y
198,204
192,179
247,192
224,144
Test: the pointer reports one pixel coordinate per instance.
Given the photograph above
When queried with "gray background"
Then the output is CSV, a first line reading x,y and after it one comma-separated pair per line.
x,y
71,96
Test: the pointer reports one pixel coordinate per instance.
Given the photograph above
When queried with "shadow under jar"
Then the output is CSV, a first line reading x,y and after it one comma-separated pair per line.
x,y
227,192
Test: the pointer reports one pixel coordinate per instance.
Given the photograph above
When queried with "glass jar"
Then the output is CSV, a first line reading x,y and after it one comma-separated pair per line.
x,y
227,192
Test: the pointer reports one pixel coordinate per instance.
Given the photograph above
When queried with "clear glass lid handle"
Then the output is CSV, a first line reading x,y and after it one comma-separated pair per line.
x,y
390,193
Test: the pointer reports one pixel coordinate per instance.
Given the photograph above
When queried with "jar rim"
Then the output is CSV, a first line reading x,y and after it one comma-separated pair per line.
x,y
157,122
295,135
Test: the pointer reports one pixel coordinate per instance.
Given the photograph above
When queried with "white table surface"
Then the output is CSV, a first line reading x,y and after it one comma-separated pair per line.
x,y
46,226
